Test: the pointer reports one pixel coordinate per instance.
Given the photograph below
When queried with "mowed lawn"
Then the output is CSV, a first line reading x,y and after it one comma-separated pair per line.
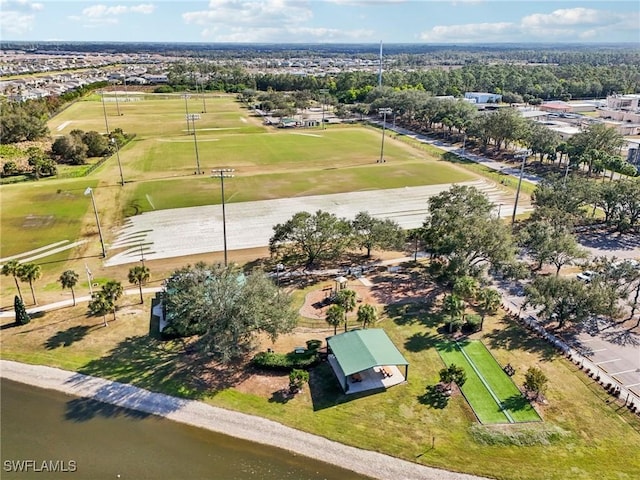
x,y
475,388
36,214
154,115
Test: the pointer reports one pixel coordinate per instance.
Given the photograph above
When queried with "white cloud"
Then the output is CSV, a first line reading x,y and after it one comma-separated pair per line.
x,y
566,17
365,3
569,24
18,16
98,15
257,13
471,32
267,21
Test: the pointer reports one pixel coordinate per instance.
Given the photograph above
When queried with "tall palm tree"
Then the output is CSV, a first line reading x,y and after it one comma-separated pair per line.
x,y
139,275
489,301
11,268
29,272
453,306
101,304
367,314
69,279
112,291
347,300
335,316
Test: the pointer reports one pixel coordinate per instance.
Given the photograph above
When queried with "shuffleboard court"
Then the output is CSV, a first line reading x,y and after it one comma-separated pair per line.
x,y
490,392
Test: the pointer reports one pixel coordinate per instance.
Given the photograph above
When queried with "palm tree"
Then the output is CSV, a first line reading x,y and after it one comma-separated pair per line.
x,y
335,316
28,272
367,314
69,279
453,306
11,268
112,291
466,288
100,304
347,300
139,275
489,301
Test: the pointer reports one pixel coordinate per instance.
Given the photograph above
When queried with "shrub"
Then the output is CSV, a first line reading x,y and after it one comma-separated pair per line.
x,y
314,344
472,323
297,379
22,317
285,362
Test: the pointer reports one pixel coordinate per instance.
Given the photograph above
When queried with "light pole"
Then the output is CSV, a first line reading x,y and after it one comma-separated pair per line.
x,y
115,92
223,173
515,204
186,110
193,117
89,191
323,91
204,104
115,142
104,110
384,112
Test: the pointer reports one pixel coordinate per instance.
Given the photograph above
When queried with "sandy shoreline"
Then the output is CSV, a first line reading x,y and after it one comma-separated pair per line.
x,y
199,414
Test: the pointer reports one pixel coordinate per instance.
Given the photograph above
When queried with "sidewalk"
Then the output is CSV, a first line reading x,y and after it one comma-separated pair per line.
x,y
447,147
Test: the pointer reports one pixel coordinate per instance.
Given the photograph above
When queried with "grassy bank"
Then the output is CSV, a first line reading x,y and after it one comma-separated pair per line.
x,y
583,435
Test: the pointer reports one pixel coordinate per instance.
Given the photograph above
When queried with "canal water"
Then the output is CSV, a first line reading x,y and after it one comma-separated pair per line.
x,y
51,435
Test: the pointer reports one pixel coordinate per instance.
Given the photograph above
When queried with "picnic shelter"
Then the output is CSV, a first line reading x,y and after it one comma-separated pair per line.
x,y
366,360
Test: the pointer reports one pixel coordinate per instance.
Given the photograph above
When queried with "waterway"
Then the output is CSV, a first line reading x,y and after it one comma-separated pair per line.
x,y
49,435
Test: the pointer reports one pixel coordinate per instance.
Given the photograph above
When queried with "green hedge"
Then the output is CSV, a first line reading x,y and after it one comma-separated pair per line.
x,y
286,361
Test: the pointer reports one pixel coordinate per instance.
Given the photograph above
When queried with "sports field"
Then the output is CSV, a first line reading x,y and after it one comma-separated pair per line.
x,y
490,392
159,163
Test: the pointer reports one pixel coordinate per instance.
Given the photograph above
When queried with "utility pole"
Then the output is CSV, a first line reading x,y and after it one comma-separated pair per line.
x,y
223,173
384,112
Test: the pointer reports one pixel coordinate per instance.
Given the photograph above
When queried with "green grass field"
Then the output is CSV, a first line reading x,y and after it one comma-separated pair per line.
x,y
486,382
159,164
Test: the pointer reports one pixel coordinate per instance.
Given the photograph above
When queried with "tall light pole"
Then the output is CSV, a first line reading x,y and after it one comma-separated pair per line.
x,y
193,117
384,112
115,92
89,191
104,110
186,112
115,142
515,204
223,173
323,91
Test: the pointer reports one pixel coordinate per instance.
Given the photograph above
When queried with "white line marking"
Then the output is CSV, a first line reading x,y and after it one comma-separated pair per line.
x,y
31,252
599,350
608,361
632,385
624,371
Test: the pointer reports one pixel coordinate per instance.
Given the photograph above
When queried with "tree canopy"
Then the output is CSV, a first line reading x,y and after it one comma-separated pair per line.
x,y
462,229
306,239
225,309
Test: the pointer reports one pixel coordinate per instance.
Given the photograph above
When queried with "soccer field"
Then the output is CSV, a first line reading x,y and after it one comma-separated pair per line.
x,y
490,392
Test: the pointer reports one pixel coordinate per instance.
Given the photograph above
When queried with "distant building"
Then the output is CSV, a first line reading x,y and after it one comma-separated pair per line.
x,y
482,97
556,106
633,153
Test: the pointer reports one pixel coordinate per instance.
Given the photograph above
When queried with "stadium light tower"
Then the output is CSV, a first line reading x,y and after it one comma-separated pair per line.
x,y
104,110
186,111
384,112
223,173
89,191
115,142
193,117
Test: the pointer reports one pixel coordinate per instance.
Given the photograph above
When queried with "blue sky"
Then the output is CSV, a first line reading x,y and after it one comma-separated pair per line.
x,y
322,21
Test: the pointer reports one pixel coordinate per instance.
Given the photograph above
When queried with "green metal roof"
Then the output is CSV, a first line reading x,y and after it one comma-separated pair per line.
x,y
359,350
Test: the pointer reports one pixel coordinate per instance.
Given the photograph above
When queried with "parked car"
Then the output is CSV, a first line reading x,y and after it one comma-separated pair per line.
x,y
586,276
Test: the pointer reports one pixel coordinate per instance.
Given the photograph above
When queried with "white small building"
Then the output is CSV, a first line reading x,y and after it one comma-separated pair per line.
x,y
482,97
